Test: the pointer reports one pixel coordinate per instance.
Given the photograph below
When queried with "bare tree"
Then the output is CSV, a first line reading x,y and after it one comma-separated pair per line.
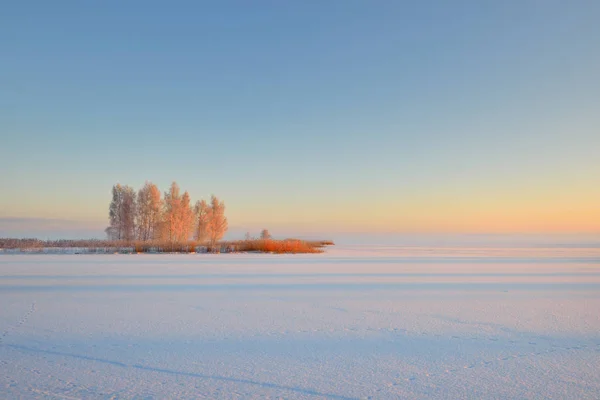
x,y
202,211
148,212
264,234
217,223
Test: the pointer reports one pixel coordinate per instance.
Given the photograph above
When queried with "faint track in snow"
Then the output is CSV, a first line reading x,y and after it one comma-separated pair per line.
x,y
268,385
19,324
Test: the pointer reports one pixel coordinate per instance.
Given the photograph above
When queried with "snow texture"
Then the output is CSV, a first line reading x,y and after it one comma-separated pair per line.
x,y
380,322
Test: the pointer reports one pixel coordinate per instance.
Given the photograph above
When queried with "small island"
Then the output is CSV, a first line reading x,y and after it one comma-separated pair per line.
x,y
148,222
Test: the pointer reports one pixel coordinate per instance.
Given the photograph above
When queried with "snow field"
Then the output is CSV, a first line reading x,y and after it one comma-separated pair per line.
x,y
357,322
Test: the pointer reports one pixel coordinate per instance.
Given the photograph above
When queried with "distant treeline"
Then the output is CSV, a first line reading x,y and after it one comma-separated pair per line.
x,y
94,246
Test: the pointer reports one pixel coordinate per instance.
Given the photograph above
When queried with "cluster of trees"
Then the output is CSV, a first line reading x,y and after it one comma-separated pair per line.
x,y
145,216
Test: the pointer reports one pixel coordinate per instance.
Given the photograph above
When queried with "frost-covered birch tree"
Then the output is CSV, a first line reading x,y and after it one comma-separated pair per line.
x,y
202,210
144,216
129,211
178,216
186,219
171,217
149,206
115,229
121,213
217,222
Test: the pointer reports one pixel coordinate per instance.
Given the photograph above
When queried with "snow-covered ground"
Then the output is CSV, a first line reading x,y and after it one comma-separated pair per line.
x,y
375,322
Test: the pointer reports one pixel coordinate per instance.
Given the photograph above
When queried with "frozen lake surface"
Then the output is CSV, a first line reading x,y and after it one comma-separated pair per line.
x,y
379,322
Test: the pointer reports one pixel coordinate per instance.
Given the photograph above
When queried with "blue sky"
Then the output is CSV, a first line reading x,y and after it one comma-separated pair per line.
x,y
333,116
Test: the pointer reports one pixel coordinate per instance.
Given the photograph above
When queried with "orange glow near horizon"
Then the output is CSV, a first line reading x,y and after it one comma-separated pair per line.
x,y
564,213
454,209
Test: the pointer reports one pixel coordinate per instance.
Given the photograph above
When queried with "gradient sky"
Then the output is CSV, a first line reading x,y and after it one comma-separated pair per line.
x,y
332,116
